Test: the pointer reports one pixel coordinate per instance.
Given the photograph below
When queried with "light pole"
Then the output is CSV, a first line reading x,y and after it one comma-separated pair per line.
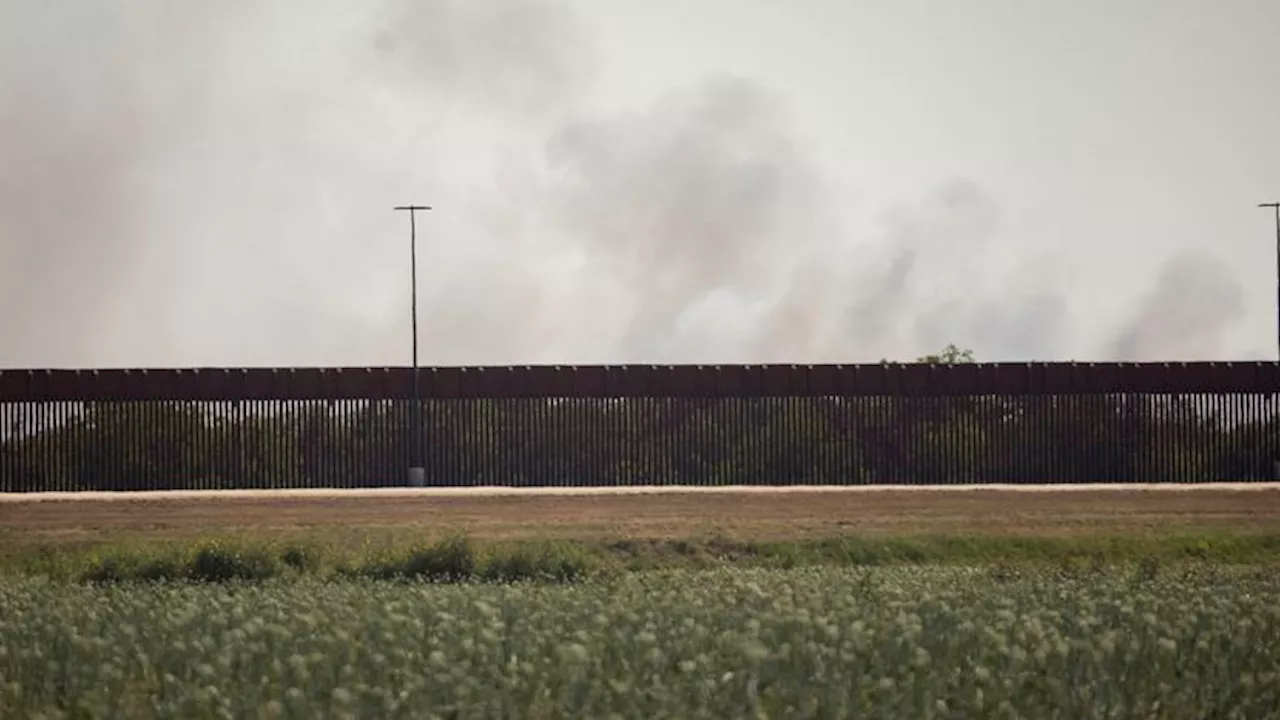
x,y
417,473
1275,206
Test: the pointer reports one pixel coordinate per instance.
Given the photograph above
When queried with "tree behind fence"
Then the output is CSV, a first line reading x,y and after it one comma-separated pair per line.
x,y
640,425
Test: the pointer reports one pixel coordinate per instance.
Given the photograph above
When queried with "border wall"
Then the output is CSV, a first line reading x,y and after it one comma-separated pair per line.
x,y
67,430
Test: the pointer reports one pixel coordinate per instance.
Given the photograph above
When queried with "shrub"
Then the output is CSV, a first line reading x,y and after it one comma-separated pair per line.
x,y
300,558
214,563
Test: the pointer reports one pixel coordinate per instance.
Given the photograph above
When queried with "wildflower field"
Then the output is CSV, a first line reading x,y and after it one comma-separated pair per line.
x,y
1151,640
1088,603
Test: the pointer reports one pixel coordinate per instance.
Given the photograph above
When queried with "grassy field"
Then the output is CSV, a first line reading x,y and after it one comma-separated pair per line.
x,y
984,603
218,558
903,642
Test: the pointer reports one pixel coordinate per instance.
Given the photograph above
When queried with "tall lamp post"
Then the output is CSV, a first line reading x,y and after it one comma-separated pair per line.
x,y
417,472
1275,206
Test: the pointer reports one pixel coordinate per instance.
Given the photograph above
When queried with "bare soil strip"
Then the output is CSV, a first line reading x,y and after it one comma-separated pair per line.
x,y
744,513
497,490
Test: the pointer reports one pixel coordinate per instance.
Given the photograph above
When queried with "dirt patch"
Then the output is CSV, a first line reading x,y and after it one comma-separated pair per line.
x,y
742,514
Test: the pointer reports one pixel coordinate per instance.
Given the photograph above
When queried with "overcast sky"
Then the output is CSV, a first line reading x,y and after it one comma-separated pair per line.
x,y
614,181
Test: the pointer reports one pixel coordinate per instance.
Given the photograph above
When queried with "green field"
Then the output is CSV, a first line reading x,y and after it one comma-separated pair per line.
x,y
747,605
1153,640
404,555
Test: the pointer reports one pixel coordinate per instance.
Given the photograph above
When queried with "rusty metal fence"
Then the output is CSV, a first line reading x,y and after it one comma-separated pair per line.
x,y
639,425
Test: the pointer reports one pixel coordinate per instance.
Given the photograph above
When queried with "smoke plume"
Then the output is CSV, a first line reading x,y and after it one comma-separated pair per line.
x,y
1185,315
212,185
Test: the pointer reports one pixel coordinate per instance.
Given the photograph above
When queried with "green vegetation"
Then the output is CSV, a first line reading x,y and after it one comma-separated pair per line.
x,y
950,355
454,559
457,559
903,642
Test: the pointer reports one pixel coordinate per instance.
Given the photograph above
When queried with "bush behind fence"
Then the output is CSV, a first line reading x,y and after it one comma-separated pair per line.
x,y
632,425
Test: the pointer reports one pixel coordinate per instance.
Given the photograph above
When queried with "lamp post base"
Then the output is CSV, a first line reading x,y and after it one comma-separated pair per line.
x,y
417,477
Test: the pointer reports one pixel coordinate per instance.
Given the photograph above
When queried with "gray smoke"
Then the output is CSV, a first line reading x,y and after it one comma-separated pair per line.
x,y
212,185
194,185
930,280
1186,313
78,124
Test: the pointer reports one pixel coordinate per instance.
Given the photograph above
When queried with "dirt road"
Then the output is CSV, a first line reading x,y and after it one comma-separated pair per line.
x,y
755,513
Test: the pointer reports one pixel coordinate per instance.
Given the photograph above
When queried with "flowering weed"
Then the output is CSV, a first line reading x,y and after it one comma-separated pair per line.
x,y
919,642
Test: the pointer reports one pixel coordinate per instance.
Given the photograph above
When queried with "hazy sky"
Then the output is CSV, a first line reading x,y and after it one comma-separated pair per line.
x,y
615,181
